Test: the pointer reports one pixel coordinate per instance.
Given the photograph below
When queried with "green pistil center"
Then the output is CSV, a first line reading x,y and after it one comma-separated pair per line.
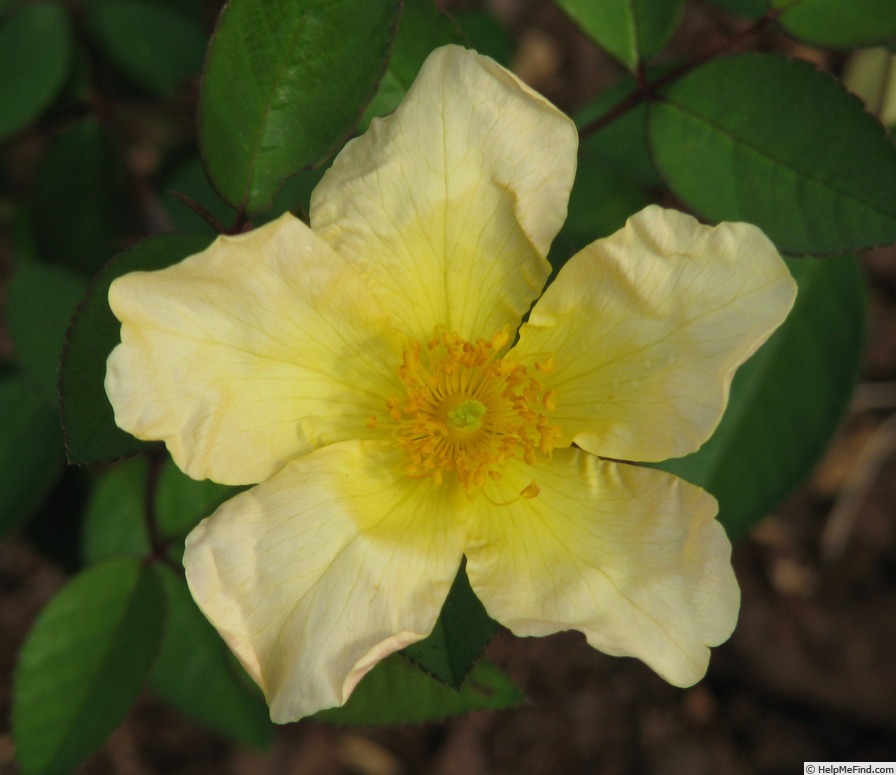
x,y
467,416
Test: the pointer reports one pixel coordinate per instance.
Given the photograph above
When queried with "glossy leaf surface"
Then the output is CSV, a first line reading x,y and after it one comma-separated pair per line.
x,y
84,663
285,81
631,30
422,28
461,633
838,23
734,141
115,518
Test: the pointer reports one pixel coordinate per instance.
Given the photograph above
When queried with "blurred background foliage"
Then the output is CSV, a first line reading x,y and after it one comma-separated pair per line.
x,y
126,133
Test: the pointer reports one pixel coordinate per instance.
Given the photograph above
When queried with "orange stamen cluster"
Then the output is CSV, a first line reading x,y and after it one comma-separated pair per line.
x,y
467,411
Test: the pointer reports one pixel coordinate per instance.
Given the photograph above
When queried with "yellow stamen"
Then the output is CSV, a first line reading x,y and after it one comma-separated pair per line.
x,y
531,490
467,411
546,366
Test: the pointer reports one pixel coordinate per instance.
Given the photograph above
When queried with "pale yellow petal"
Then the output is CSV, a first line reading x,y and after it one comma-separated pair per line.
x,y
630,556
449,205
317,574
260,348
647,328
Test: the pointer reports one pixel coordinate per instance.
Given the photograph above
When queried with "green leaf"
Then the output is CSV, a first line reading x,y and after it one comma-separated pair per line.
x,y
773,141
31,452
485,34
620,146
91,435
396,692
839,23
187,176
8,6
614,174
630,30
182,503
40,302
152,45
294,196
79,213
116,521
600,203
462,631
196,674
750,9
422,28
787,399
115,517
35,50
83,664
197,10
285,81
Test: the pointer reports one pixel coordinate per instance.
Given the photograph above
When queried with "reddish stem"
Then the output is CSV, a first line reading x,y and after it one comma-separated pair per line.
x,y
239,222
199,210
646,91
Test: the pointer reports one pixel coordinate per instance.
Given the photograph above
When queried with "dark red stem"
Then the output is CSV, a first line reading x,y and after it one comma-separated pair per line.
x,y
199,210
646,91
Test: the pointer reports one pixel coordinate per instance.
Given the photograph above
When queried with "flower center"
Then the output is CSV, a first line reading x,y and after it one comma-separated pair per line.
x,y
467,415
467,411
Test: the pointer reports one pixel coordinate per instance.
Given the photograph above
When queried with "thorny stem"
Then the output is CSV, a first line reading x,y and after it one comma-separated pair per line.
x,y
646,91
157,542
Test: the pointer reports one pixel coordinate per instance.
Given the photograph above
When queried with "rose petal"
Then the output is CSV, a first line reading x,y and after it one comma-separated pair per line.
x,y
260,348
449,205
325,569
647,328
630,556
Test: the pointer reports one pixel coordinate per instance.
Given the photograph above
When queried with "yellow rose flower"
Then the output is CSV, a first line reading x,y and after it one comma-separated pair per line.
x,y
371,373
